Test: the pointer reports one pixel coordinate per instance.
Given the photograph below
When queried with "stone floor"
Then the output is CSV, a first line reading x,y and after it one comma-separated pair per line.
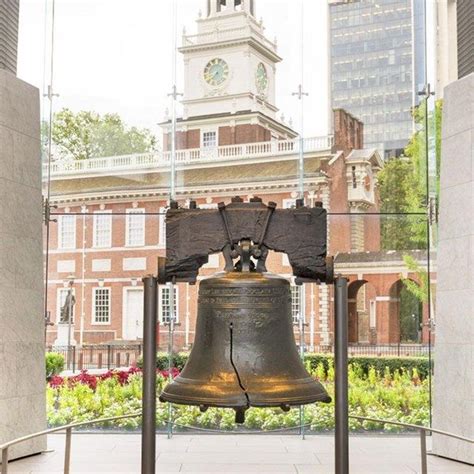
x,y
120,453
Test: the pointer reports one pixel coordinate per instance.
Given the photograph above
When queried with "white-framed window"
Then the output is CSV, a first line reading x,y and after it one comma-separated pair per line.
x,y
213,261
135,228
103,229
289,203
212,205
297,303
67,231
61,299
209,139
164,305
162,227
101,305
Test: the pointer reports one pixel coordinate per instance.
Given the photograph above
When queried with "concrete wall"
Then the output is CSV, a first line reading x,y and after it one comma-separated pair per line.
x,y
22,373
9,13
454,356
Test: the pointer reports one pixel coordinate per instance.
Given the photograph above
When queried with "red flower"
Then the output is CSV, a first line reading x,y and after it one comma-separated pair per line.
x,y
56,381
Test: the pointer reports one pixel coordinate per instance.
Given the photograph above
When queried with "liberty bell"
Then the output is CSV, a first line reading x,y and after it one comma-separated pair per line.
x,y
244,354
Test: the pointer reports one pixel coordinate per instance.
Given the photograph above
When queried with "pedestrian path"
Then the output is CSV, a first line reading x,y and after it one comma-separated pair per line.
x,y
120,453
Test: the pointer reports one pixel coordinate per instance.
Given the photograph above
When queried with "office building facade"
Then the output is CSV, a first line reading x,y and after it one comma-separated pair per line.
x,y
377,66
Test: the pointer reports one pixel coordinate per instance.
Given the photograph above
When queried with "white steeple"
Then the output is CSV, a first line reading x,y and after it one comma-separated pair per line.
x,y
229,65
218,7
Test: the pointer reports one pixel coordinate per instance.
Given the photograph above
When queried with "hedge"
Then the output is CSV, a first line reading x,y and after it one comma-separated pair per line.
x,y
54,364
379,363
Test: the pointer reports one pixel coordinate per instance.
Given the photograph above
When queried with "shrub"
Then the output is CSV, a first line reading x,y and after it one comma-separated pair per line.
x,y
312,361
394,364
400,396
54,364
179,360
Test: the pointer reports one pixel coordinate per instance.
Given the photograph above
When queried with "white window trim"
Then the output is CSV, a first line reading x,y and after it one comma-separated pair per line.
x,y
302,302
60,240
160,304
138,211
209,130
94,291
94,230
288,203
162,228
58,303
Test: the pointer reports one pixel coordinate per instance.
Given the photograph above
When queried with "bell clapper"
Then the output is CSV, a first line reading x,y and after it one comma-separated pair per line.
x,y
285,407
203,408
240,415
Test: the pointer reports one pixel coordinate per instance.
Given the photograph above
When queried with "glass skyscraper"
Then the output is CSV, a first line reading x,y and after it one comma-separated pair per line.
x,y
377,66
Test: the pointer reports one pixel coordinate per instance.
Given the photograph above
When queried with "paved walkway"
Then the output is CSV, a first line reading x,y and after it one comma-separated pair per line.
x,y
120,453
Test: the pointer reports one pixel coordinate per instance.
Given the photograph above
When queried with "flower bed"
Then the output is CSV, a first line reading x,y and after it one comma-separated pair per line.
x,y
400,396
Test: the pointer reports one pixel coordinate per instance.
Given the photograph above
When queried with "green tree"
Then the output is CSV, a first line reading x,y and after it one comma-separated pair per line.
x,y
403,187
86,134
400,192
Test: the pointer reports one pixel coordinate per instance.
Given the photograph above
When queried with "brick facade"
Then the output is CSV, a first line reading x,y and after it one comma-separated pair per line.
x,y
120,267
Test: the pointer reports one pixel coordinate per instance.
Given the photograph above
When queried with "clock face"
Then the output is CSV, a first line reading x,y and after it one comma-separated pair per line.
x,y
216,72
261,78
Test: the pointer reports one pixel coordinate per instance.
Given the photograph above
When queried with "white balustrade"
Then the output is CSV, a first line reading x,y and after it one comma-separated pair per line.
x,y
247,151
228,34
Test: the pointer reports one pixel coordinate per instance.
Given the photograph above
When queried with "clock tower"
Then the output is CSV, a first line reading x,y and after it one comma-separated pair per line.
x,y
229,79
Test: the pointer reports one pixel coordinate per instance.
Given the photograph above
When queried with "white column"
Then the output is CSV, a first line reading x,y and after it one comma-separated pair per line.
x,y
22,330
454,355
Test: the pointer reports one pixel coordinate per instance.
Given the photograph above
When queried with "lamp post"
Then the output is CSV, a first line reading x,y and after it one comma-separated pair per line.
x,y
70,283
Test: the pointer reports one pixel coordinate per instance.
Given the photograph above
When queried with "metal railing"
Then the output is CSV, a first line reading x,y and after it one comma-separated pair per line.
x,y
422,430
380,350
114,356
103,356
4,448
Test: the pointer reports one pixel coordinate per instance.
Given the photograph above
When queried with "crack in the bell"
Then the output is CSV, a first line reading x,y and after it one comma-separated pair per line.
x,y
241,385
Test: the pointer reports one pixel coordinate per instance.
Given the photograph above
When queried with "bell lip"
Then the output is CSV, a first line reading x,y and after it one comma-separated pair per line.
x,y
210,402
262,403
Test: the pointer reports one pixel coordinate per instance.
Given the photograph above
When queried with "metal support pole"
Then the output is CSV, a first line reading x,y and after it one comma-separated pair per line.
x,y
69,323
150,308
301,324
5,461
424,463
171,322
67,451
341,386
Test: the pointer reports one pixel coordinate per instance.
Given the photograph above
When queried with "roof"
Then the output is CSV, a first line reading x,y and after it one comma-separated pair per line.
x,y
380,256
270,172
366,154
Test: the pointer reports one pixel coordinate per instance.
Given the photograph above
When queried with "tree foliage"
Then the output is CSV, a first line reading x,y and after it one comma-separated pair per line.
x,y
420,291
403,185
86,134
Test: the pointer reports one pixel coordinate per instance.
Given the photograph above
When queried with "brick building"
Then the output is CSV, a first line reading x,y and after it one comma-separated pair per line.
x,y
111,222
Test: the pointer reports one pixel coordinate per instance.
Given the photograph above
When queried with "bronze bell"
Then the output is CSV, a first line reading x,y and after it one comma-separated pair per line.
x,y
244,352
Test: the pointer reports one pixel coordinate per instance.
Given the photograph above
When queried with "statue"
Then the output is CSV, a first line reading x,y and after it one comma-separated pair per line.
x,y
67,310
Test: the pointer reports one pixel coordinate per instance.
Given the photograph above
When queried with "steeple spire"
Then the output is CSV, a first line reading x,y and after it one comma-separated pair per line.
x,y
215,7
